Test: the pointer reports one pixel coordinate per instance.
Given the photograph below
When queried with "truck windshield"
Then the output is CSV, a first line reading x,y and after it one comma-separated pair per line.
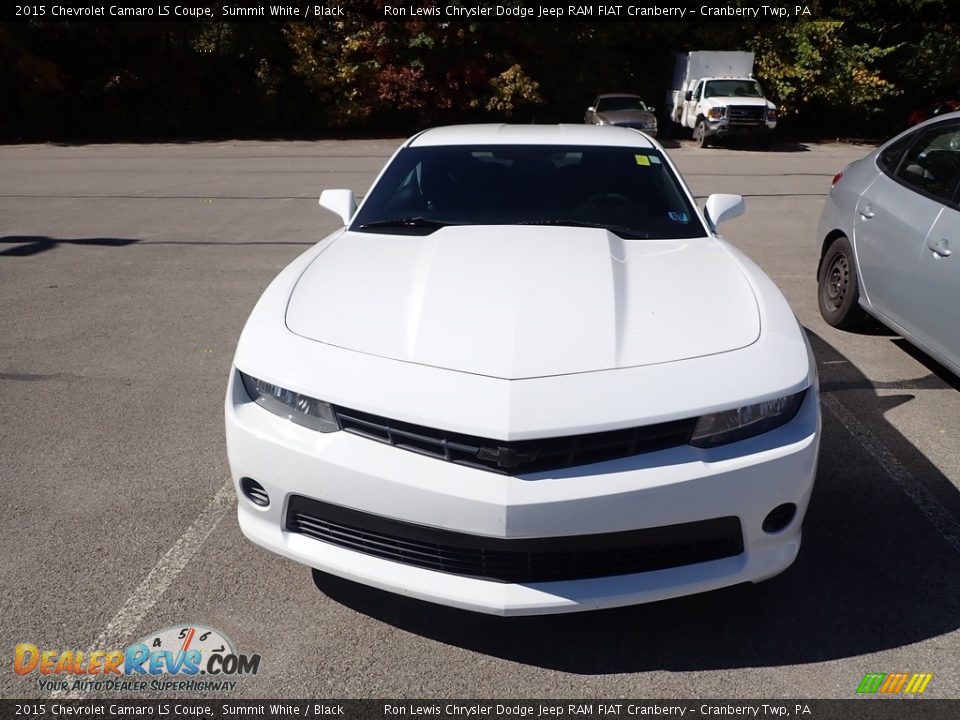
x,y
732,88
627,190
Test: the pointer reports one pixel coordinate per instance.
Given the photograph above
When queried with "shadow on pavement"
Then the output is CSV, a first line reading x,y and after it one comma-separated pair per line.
x,y
25,245
873,574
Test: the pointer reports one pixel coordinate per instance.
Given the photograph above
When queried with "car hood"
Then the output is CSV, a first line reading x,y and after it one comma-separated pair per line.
x,y
520,302
627,116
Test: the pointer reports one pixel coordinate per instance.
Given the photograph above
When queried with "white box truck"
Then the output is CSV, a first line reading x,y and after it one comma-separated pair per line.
x,y
714,95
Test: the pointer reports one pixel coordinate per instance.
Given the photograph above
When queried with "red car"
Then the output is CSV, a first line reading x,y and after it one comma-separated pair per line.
x,y
932,110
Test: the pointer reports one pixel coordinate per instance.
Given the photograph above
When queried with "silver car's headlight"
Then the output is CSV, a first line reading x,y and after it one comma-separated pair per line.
x,y
300,409
746,422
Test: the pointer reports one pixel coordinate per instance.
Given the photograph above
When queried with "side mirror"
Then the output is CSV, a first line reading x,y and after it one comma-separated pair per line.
x,y
591,109
688,96
339,202
722,207
651,109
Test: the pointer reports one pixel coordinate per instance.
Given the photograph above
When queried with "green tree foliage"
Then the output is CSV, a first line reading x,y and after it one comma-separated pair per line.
x,y
815,67
862,74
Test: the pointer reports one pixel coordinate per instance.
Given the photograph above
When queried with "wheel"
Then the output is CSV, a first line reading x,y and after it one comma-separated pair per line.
x,y
838,293
700,134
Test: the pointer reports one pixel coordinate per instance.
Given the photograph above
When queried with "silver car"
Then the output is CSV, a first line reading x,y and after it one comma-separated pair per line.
x,y
623,110
889,240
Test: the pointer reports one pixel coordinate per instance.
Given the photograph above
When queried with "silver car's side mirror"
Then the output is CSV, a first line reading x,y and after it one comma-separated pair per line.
x,y
721,207
591,109
651,109
339,202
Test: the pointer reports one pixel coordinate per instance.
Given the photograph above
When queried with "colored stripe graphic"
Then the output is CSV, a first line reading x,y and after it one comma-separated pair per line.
x,y
894,683
871,683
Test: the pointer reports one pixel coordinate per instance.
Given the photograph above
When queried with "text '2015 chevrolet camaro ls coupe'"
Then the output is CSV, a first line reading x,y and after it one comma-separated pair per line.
x,y
527,376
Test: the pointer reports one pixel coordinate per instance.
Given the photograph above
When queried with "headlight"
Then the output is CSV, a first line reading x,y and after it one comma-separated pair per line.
x,y
300,409
733,425
652,125
716,113
771,114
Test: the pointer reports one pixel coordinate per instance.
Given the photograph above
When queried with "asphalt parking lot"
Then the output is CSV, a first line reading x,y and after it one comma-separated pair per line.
x,y
126,273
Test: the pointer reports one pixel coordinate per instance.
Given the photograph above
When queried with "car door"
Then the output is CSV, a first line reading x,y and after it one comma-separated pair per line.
x,y
939,327
892,221
690,106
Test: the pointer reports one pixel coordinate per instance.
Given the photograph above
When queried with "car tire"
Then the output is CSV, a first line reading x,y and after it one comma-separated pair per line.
x,y
838,290
700,134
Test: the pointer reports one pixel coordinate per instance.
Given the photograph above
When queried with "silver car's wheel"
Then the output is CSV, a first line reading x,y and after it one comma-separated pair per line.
x,y
838,292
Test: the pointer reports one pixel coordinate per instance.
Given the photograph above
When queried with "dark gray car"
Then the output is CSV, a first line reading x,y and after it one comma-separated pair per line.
x,y
624,110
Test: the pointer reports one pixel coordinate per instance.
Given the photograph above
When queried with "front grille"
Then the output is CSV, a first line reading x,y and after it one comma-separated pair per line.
x,y
519,560
520,456
746,113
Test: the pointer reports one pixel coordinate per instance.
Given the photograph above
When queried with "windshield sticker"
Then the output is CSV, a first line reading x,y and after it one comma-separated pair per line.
x,y
642,160
678,217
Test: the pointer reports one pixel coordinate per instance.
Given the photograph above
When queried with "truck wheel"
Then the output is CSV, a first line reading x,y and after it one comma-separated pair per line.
x,y
700,134
838,293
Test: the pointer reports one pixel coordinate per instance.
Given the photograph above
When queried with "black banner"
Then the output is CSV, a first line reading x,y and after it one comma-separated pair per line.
x,y
695,11
855,709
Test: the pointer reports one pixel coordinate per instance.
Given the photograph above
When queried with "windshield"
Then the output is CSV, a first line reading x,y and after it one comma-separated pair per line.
x,y
630,191
732,88
624,102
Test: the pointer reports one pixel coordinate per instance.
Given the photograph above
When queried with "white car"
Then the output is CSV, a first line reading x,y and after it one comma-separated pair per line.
x,y
527,376
885,237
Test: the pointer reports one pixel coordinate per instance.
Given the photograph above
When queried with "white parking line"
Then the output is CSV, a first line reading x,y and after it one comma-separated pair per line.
x,y
935,513
132,612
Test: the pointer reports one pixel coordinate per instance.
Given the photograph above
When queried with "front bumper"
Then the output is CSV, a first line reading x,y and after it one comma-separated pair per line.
x,y
726,128
679,485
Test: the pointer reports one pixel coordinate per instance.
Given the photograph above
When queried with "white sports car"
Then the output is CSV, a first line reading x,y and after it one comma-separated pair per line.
x,y
527,376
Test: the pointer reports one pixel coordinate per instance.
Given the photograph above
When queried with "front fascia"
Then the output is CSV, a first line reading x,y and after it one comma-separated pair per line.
x,y
777,364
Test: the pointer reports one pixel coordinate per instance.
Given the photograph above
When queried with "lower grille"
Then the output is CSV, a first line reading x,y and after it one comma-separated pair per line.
x,y
520,560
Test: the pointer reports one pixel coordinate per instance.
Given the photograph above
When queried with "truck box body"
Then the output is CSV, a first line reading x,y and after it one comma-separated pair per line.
x,y
710,63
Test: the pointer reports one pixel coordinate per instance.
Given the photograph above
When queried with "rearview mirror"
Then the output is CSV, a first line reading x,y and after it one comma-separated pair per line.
x,y
722,207
339,202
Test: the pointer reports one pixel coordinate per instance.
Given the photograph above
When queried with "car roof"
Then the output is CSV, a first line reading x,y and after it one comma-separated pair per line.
x,y
504,134
610,95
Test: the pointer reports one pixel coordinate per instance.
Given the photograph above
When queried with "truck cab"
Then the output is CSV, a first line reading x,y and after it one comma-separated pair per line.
x,y
728,107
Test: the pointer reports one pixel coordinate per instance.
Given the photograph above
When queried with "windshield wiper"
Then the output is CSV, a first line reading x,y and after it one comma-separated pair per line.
x,y
413,222
621,230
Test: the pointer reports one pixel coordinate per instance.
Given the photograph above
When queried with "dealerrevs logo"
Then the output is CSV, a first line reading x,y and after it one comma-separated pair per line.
x,y
169,659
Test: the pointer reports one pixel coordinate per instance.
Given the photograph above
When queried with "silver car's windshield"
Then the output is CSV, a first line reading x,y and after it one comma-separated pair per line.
x,y
623,102
630,191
